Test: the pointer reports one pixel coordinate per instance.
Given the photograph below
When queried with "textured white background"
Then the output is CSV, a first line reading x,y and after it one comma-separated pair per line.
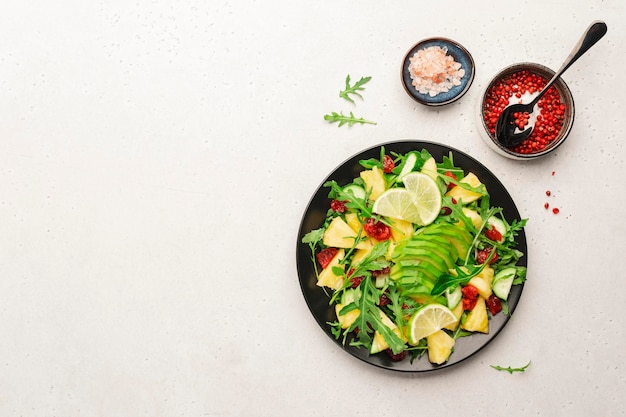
x,y
156,158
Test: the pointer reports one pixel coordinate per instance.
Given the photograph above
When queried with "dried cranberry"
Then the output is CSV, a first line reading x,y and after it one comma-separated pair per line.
x,y
338,206
493,234
325,256
385,271
356,281
396,357
388,164
494,304
383,300
450,175
376,229
483,255
470,297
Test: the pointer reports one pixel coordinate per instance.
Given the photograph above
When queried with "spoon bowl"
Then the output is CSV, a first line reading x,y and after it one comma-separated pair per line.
x,y
488,129
507,131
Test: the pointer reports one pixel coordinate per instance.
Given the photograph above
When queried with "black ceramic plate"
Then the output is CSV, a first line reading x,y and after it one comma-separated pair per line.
x,y
314,217
460,55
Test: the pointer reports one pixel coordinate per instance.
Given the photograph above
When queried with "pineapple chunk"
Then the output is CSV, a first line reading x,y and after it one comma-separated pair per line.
x,y
374,181
353,221
360,254
430,168
328,278
379,343
461,194
473,215
347,319
483,281
458,312
339,234
477,319
440,346
401,229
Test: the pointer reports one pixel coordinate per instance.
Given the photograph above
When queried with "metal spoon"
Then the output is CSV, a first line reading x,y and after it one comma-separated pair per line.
x,y
505,127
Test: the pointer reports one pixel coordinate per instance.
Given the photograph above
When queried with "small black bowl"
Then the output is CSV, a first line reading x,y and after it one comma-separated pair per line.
x,y
460,55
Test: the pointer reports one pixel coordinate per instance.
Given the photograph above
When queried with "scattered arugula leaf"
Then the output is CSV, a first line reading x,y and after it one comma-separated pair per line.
x,y
354,89
349,120
510,369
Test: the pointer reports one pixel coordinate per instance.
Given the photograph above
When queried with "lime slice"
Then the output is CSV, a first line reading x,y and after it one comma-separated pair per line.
x,y
428,320
427,195
398,203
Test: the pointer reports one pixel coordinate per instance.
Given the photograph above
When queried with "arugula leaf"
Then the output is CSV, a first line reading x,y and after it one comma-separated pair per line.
x,y
447,280
349,120
337,192
313,238
373,162
509,369
354,89
457,213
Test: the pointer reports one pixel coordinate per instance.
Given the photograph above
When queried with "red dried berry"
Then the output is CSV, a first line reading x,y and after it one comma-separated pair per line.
x,y
388,164
493,234
383,300
470,297
376,229
396,357
494,304
355,281
325,256
483,255
338,206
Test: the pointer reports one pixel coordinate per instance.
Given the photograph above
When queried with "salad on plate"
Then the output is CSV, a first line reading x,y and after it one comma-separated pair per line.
x,y
413,256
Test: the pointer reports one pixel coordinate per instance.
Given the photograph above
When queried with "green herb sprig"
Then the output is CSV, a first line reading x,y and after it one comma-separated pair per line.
x,y
349,120
510,369
353,89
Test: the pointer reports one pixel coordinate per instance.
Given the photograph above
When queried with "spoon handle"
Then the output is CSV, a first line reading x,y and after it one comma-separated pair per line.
x,y
593,34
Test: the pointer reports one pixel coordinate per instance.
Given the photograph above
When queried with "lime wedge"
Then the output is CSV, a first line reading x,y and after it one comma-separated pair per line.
x,y
419,202
428,320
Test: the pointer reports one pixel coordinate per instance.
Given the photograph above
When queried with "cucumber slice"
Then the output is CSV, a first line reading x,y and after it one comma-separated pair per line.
x,y
355,190
502,282
347,297
409,164
453,296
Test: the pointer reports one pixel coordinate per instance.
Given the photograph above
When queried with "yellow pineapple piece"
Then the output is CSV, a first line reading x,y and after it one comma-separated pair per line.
x,y
379,343
473,215
458,312
374,181
482,282
339,234
401,229
477,319
328,278
353,221
430,168
440,346
461,194
360,254
347,319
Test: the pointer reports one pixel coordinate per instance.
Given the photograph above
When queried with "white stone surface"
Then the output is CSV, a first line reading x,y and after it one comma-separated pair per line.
x,y
156,158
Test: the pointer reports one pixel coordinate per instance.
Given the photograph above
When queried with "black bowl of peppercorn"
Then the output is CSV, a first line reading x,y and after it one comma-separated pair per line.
x,y
552,118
